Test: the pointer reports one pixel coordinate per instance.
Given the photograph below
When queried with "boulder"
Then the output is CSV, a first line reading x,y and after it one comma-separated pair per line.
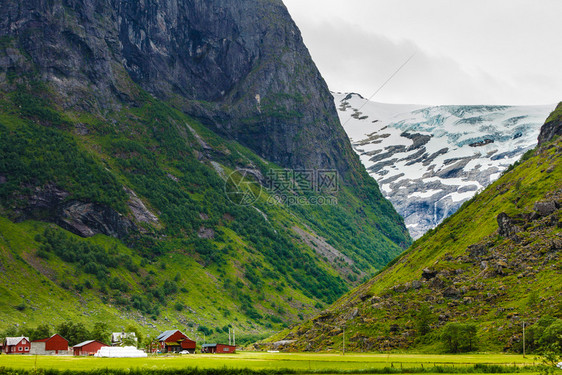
x,y
451,292
477,250
428,273
507,225
545,208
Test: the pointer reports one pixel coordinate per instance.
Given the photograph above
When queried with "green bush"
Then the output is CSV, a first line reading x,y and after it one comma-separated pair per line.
x,y
545,333
459,337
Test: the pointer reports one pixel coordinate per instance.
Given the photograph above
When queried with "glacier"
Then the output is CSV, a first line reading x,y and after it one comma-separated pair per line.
x,y
428,160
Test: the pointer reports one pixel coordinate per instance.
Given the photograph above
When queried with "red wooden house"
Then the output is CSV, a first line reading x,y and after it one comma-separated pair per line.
x,y
174,341
218,348
17,345
89,347
53,345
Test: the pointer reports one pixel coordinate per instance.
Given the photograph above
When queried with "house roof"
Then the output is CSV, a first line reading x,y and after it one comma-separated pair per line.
x,y
87,342
214,345
83,343
164,335
48,338
15,340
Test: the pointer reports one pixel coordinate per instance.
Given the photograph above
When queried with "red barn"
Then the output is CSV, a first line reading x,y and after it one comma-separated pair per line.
x,y
89,347
218,348
53,345
174,341
17,345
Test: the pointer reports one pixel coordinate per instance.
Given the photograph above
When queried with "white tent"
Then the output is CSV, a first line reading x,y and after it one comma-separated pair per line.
x,y
118,352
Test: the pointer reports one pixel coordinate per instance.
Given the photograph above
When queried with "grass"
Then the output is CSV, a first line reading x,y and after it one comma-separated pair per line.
x,y
296,362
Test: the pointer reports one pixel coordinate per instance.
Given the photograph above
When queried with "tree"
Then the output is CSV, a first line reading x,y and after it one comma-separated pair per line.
x,y
552,335
459,337
10,332
549,359
545,332
138,334
423,320
75,333
101,332
41,332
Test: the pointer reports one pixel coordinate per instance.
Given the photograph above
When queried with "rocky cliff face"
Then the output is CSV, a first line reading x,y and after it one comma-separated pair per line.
x,y
239,66
552,127
92,140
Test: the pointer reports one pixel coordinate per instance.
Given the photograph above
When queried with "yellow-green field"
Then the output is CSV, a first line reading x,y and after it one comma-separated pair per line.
x,y
265,361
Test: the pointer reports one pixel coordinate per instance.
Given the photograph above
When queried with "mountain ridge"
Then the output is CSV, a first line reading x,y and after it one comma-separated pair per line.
x,y
167,220
495,263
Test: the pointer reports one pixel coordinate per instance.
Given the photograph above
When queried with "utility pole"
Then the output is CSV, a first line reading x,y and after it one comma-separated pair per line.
x,y
229,342
233,337
523,339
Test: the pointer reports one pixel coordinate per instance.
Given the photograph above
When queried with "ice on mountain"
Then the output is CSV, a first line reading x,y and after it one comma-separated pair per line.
x,y
455,150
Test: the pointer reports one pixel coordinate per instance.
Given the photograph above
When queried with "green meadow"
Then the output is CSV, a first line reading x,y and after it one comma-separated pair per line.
x,y
284,363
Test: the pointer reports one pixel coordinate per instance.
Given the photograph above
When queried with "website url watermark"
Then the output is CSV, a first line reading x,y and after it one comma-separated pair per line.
x,y
303,187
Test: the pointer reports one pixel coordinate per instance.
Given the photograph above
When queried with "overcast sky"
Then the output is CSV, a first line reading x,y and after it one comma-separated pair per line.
x,y
465,52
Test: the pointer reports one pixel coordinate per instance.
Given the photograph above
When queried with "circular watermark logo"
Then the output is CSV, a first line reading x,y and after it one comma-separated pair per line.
x,y
242,187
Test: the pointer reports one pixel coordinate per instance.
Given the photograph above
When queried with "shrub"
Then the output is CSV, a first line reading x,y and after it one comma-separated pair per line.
x,y
459,337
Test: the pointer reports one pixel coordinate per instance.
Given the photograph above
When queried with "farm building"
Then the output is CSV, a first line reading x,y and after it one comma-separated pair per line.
x,y
117,338
218,348
174,341
89,347
17,345
53,345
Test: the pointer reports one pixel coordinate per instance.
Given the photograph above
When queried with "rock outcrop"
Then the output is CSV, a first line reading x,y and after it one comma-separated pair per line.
x,y
552,127
239,66
85,219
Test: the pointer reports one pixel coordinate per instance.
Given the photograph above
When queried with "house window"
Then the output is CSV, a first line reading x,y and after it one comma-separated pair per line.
x,y
27,348
20,349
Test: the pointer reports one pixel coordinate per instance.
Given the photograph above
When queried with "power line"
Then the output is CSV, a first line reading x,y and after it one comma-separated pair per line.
x,y
385,82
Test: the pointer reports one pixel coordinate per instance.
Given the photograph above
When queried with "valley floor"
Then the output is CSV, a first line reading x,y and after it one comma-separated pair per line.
x,y
292,362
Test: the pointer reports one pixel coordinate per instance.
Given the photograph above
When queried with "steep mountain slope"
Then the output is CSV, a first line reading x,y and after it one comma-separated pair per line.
x,y
120,201
497,262
239,66
429,160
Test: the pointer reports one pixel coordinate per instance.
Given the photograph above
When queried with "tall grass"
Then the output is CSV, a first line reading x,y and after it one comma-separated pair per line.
x,y
472,369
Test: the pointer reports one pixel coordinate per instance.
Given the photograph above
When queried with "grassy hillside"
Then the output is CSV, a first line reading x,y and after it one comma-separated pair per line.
x,y
495,264
178,250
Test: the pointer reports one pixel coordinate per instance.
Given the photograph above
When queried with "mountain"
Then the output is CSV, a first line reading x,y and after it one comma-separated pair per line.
x,y
496,263
176,163
428,161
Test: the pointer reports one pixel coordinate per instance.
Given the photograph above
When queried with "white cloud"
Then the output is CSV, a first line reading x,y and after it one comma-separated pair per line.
x,y
492,52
